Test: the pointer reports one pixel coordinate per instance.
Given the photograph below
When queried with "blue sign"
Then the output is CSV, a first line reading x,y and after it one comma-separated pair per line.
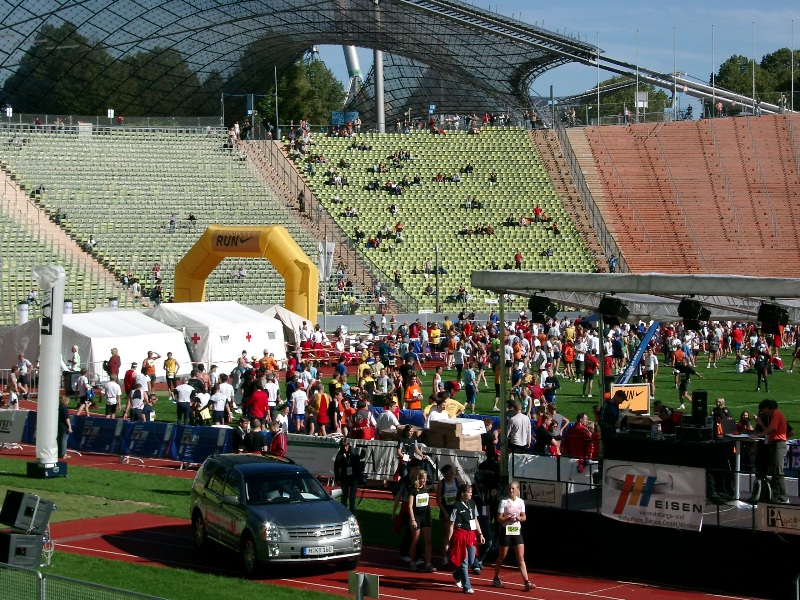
x,y
96,434
195,444
148,439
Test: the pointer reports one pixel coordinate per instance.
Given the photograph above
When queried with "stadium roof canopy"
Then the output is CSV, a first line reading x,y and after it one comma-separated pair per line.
x,y
439,52
651,295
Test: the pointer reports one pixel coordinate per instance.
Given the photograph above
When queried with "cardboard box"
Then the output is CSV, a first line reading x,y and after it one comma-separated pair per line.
x,y
435,439
643,420
460,427
470,443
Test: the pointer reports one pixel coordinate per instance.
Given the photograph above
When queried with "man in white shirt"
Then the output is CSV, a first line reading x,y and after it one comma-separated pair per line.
x,y
273,391
113,393
438,413
183,394
23,378
299,401
226,389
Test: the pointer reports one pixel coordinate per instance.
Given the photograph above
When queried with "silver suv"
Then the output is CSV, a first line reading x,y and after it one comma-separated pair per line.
x,y
270,509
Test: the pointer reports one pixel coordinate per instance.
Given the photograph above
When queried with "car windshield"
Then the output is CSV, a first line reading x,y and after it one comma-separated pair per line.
x,y
274,488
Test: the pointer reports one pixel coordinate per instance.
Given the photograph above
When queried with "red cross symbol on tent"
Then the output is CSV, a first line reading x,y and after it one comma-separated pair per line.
x,y
195,338
248,336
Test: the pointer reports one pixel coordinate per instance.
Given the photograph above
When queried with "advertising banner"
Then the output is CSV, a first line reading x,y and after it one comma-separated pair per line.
x,y
655,495
316,454
779,518
12,426
147,439
195,444
96,434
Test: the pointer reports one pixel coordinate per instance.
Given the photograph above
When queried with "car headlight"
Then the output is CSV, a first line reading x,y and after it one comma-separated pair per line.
x,y
270,532
352,523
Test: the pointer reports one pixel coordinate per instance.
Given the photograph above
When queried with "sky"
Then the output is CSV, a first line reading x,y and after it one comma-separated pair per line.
x,y
661,37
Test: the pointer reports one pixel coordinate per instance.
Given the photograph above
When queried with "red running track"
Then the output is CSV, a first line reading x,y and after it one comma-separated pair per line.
x,y
167,542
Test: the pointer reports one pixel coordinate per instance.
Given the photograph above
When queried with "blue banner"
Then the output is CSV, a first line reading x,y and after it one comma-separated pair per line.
x,y
96,434
195,444
148,439
633,363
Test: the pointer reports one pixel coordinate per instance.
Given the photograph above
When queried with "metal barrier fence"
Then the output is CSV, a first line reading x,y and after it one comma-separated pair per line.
x,y
27,584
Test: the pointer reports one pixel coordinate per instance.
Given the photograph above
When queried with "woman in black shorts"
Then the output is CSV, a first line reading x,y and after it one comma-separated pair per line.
x,y
419,509
510,517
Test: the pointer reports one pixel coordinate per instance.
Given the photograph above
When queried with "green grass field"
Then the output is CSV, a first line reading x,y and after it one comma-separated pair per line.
x,y
737,389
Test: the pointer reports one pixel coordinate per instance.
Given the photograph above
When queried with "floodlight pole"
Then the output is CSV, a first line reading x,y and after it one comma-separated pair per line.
x,y
277,125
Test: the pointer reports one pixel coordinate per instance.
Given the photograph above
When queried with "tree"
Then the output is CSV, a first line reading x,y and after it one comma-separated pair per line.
x,y
62,72
305,91
623,95
158,82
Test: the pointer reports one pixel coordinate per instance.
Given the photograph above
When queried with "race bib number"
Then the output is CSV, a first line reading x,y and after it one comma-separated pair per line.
x,y
513,529
450,499
473,524
406,458
421,501
349,471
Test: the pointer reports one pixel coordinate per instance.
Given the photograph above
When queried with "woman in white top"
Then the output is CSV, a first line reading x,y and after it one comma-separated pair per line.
x,y
510,517
220,406
438,384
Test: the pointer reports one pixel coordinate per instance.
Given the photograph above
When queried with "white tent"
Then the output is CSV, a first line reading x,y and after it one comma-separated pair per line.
x,y
292,322
95,333
217,332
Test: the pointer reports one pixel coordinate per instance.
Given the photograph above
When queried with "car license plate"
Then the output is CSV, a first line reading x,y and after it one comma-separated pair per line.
x,y
317,550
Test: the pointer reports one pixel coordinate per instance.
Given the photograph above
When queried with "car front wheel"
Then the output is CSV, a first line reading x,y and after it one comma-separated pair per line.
x,y
248,555
199,531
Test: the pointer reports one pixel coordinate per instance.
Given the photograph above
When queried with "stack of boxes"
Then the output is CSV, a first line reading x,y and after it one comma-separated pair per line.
x,y
456,434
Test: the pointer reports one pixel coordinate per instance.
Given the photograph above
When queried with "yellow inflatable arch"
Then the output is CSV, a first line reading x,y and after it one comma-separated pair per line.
x,y
272,242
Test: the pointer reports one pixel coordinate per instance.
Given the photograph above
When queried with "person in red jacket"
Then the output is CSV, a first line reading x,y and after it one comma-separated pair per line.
x,y
277,447
590,366
258,403
363,424
578,441
129,381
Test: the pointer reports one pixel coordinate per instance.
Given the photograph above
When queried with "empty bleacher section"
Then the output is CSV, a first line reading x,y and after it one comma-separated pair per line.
x,y
121,187
713,196
434,213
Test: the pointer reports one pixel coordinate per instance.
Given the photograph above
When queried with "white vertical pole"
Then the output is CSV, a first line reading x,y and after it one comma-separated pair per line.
x,y
277,126
674,76
713,77
636,100
754,65
598,78
51,282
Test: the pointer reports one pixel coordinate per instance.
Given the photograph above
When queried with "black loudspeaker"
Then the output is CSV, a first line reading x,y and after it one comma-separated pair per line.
x,y
772,318
692,325
689,309
538,304
613,307
21,550
26,512
699,407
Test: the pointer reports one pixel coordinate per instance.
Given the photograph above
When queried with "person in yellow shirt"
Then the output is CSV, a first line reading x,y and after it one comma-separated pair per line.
x,y
436,337
171,367
453,408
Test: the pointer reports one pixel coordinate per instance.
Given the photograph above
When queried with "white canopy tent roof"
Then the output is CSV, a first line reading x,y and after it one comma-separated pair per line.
x,y
292,322
651,295
218,332
95,334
